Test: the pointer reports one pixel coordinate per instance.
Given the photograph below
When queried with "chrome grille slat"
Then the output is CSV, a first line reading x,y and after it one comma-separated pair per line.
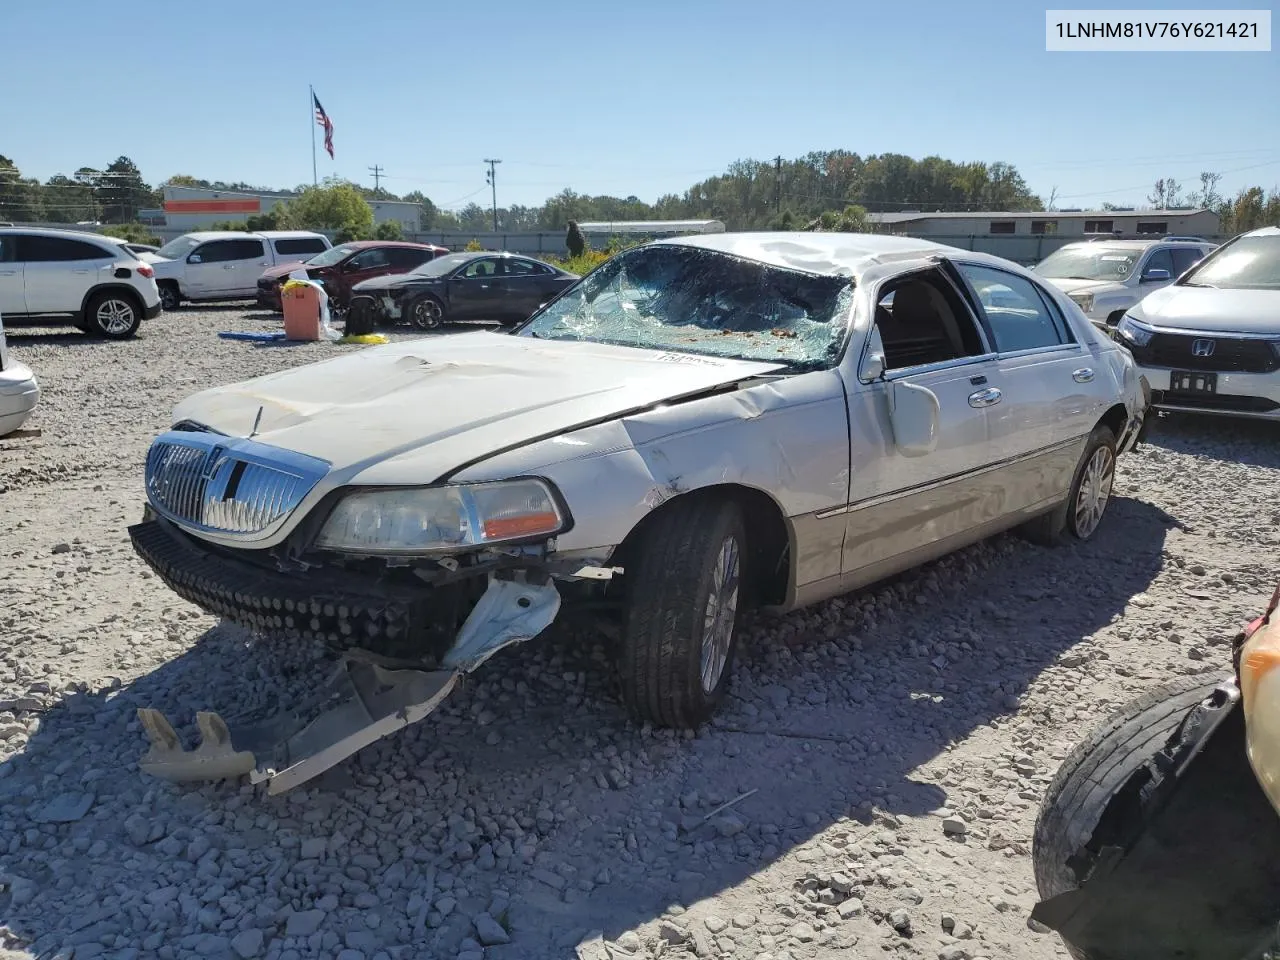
x,y
188,477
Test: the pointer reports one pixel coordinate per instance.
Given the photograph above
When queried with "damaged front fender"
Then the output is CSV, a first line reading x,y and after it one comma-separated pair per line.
x,y
368,698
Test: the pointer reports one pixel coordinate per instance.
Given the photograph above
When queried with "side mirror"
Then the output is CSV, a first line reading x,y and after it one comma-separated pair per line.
x,y
1156,275
194,258
873,363
913,411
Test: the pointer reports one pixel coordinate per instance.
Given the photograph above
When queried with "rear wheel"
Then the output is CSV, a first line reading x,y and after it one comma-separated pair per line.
x,y
426,313
683,599
114,315
170,297
1080,515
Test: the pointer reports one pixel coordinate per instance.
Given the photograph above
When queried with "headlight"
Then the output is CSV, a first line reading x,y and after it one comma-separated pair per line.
x,y
1083,300
1134,332
427,519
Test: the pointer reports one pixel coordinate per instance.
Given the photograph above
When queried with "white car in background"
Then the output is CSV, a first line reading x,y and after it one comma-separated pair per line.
x,y
226,264
1210,343
1106,277
86,279
19,391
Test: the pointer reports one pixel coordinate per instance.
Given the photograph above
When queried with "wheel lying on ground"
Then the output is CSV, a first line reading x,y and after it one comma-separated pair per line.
x,y
170,297
1080,515
113,315
1092,773
682,603
426,313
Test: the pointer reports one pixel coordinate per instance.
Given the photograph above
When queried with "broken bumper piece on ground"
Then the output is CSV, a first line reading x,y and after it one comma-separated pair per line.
x,y
368,698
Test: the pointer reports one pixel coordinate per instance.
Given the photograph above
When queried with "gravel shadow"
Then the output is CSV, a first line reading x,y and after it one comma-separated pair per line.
x,y
529,795
1251,442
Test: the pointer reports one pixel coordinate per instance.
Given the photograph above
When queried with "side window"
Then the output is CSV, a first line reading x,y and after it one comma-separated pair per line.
x,y
293,246
248,249
1160,260
8,249
406,258
368,260
525,268
922,320
37,249
215,251
1019,316
1184,258
480,269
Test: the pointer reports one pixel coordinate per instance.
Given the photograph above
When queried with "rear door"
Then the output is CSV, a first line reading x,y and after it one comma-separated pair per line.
x,y
59,272
13,298
1051,392
903,505
528,284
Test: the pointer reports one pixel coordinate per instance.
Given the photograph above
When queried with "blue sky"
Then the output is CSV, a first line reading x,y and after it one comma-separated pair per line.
x,y
641,98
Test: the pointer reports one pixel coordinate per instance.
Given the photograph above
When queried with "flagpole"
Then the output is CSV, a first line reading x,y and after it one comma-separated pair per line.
x,y
311,109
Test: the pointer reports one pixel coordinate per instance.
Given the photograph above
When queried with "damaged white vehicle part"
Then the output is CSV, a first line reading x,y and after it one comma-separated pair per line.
x,y
372,700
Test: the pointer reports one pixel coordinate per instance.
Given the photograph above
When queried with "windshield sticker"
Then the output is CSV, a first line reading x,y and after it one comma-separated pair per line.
x,y
1114,258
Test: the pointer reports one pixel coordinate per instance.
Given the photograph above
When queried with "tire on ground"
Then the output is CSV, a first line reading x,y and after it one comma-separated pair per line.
x,y
1060,524
170,295
1092,773
670,574
96,325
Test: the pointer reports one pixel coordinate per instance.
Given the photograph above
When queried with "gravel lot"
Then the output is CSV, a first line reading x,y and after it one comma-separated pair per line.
x,y
897,741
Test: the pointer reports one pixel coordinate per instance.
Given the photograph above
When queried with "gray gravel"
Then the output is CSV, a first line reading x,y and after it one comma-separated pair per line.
x,y
897,741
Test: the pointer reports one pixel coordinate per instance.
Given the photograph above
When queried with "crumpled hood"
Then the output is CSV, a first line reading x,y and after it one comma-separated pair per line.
x,y
281,270
414,411
1210,309
1071,285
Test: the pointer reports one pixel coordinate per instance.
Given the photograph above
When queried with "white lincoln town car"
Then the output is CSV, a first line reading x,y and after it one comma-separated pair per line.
x,y
699,425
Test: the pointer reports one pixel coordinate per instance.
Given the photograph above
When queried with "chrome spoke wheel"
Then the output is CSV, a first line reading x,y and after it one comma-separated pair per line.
x,y
720,614
427,314
1095,491
115,316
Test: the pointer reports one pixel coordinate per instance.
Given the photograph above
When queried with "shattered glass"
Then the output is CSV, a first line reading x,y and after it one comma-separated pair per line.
x,y
688,299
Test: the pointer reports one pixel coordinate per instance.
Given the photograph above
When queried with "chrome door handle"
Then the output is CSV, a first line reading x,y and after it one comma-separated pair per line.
x,y
1083,375
985,398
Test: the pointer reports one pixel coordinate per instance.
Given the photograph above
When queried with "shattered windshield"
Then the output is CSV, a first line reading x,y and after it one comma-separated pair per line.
x,y
689,299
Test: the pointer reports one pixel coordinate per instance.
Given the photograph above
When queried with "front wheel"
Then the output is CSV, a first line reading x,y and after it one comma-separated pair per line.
x,y
683,599
113,315
170,297
426,313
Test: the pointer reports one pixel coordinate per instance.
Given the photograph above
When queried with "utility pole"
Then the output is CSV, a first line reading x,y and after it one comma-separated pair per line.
x,y
492,179
777,184
378,174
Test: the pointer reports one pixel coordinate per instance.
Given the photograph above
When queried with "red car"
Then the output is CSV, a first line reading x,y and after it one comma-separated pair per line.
x,y
340,268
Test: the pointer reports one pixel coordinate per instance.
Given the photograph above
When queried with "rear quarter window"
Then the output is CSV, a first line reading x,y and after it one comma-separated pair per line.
x,y
300,245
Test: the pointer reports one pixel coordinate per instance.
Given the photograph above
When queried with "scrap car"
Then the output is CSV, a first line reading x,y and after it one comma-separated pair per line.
x,y
698,426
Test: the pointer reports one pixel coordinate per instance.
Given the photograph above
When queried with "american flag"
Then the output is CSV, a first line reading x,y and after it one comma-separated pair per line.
x,y
322,118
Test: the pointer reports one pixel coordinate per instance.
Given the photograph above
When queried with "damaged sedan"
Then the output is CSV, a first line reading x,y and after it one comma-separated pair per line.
x,y
699,426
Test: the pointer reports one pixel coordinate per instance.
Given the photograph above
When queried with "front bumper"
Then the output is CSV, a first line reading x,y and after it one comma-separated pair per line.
x,y
1252,395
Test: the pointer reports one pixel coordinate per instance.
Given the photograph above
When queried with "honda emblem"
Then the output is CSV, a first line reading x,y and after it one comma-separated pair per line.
x,y
1203,348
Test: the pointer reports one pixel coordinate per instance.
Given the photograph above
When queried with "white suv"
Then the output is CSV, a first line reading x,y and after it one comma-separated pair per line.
x,y
226,264
1105,277
88,279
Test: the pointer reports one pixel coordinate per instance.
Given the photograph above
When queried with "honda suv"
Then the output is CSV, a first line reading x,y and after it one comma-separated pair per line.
x,y
87,279
1105,277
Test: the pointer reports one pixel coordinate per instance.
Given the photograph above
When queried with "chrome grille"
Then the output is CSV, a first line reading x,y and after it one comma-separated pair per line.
x,y
220,484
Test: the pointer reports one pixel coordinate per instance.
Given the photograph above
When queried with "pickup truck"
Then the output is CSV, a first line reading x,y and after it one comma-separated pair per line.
x,y
225,264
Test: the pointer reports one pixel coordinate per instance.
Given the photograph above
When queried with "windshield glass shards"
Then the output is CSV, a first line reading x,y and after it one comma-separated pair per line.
x,y
690,299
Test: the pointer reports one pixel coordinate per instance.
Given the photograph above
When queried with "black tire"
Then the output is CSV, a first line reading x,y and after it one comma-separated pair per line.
x,y
669,579
170,295
113,314
425,313
1092,773
1066,521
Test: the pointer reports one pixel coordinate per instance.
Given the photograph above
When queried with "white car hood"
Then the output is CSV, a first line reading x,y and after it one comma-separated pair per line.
x,y
415,411
1210,309
1070,285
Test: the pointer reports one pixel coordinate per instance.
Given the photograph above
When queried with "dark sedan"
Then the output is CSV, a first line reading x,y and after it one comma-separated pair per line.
x,y
342,267
502,287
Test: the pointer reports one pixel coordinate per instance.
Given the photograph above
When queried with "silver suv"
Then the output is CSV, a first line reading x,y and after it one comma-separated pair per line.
x,y
87,279
1105,276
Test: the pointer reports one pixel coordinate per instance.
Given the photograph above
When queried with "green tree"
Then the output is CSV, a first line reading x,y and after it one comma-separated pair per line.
x,y
337,205
19,196
575,242
133,232
120,192
67,201
389,230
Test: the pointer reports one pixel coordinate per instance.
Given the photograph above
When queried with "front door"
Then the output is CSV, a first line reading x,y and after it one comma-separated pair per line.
x,y
225,268
476,291
366,264
902,506
59,272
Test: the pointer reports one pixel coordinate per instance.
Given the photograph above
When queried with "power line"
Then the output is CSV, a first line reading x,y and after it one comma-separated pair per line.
x,y
377,177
